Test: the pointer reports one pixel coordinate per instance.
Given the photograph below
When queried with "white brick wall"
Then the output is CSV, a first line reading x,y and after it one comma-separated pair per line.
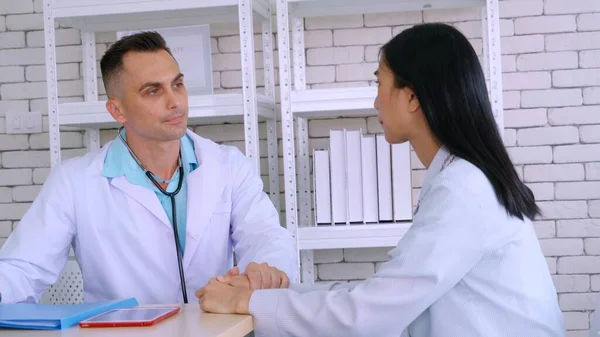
x,y
547,61
547,136
571,6
592,171
573,41
361,36
586,22
522,44
515,9
551,65
12,40
575,115
554,172
577,153
589,59
545,24
335,55
551,98
576,78
520,118
526,80
16,7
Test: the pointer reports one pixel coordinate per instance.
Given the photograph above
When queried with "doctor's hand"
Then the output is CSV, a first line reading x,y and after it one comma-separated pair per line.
x,y
222,298
259,276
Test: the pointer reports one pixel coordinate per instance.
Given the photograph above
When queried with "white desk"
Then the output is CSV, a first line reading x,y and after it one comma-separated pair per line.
x,y
190,321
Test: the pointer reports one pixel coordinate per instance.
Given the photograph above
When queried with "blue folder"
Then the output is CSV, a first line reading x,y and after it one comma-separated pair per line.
x,y
55,316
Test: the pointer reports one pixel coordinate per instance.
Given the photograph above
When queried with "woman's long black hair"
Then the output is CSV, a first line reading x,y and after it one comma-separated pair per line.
x,y
439,64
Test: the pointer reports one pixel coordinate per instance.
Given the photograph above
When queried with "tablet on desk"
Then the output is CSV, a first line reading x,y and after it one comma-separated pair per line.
x,y
137,316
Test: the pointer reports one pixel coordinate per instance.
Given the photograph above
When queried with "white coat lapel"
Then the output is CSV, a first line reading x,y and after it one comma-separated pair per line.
x,y
205,187
144,196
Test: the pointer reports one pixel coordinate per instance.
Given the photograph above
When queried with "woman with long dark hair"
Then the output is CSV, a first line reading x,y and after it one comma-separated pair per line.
x,y
471,264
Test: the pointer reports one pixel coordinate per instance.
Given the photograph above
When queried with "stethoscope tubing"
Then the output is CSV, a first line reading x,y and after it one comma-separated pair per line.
x,y
171,196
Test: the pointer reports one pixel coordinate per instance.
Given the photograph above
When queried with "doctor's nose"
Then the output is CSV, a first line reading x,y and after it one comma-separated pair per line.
x,y
376,103
173,100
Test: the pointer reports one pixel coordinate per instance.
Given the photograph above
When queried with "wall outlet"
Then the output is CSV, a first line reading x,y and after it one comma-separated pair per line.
x,y
23,122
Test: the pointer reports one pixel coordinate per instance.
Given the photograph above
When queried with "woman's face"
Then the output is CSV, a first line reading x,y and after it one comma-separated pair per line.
x,y
395,107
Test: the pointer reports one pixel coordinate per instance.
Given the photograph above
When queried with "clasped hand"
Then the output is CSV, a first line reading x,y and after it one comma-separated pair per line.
x,y
230,293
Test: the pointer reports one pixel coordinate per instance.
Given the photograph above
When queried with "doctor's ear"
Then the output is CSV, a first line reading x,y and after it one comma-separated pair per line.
x,y
113,106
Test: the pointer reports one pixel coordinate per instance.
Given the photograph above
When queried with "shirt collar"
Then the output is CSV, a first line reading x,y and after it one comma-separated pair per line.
x,y
439,162
119,161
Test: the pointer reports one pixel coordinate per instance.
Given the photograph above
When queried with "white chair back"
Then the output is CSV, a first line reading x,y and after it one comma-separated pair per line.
x,y
68,289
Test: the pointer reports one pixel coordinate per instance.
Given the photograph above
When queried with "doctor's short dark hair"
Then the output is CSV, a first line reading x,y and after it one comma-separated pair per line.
x,y
111,63
439,64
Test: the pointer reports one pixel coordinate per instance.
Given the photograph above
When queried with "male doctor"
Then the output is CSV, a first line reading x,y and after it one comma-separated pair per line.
x,y
114,206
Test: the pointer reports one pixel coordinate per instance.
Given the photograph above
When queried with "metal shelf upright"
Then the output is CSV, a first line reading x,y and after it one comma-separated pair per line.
x,y
91,16
298,104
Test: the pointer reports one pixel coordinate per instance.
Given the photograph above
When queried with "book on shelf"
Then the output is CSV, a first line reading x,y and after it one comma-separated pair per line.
x,y
354,175
339,181
401,182
322,194
369,179
384,179
361,179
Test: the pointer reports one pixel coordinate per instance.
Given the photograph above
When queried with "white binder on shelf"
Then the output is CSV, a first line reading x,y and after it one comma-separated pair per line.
x,y
322,190
369,179
384,179
354,176
401,182
339,188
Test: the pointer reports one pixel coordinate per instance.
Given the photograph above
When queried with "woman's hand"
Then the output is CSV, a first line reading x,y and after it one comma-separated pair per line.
x,y
222,298
258,276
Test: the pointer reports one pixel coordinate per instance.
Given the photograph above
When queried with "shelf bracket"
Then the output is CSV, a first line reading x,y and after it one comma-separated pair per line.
x,y
51,82
494,61
299,59
90,83
302,124
249,81
269,75
287,124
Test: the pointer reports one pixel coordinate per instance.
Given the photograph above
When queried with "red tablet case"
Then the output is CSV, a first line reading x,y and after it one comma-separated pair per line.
x,y
162,317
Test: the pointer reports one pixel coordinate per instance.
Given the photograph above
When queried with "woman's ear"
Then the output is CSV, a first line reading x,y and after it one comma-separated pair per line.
x,y
113,107
413,101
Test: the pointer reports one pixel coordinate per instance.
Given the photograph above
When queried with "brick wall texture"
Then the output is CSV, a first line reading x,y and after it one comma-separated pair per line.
x,y
551,74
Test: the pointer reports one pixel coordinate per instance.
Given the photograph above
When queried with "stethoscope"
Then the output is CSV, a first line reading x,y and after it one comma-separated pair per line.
x,y
171,195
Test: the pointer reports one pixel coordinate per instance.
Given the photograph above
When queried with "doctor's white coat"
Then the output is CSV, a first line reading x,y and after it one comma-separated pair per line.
x,y
124,241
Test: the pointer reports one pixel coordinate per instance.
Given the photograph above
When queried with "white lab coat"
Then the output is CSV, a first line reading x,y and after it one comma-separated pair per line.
x,y
464,269
124,241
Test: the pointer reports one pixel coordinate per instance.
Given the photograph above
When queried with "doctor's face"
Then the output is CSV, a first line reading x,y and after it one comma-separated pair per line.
x,y
151,100
395,107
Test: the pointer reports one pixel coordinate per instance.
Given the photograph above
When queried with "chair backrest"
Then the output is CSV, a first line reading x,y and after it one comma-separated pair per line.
x,y
68,289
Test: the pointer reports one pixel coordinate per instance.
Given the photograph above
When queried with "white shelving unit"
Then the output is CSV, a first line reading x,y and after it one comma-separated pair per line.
x,y
300,104
91,16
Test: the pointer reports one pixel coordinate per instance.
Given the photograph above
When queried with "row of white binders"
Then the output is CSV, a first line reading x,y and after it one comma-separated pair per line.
x,y
361,179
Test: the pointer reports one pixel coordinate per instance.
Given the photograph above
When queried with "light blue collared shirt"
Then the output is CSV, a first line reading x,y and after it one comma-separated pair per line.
x,y
119,162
